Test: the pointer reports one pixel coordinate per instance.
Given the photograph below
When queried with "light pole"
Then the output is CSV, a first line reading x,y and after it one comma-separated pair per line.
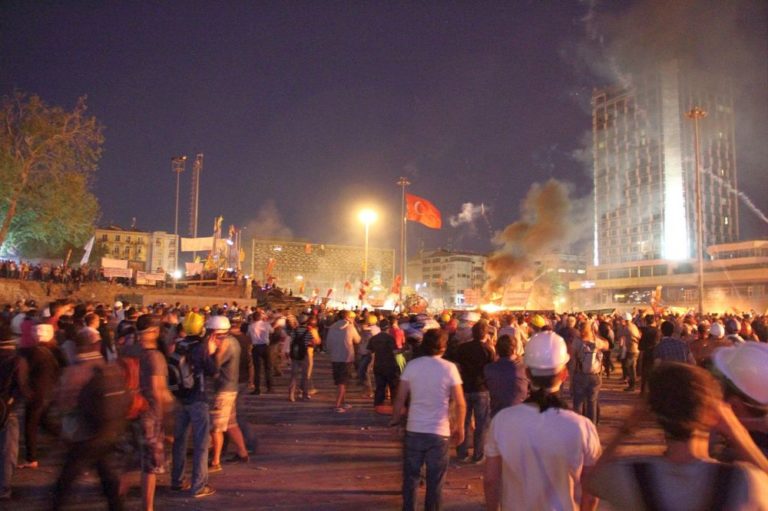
x,y
177,166
367,216
695,114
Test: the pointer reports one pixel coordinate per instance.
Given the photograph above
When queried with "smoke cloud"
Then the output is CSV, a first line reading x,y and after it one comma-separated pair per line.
x,y
268,224
468,215
550,221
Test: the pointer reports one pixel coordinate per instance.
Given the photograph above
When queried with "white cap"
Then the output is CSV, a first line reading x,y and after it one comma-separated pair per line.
x,y
118,305
717,330
746,366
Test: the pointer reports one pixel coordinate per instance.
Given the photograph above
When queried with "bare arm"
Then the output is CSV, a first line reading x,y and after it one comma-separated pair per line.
x,y
403,389
588,501
492,483
457,395
733,430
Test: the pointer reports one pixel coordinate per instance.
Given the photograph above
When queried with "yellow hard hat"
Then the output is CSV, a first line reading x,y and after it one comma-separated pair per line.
x,y
445,318
193,323
538,321
372,319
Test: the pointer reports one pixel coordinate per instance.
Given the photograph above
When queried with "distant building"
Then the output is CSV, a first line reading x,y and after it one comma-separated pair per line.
x,y
144,251
304,267
447,275
735,280
644,166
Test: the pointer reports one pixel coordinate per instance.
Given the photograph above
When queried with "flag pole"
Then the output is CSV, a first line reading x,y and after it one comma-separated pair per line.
x,y
402,182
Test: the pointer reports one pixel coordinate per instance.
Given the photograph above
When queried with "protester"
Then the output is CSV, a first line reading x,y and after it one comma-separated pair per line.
x,y
671,349
341,341
650,335
192,365
259,331
303,341
431,383
506,379
386,370
539,451
688,405
587,351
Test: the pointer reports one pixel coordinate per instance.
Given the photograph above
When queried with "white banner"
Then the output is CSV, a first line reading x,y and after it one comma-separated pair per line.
x,y
194,268
108,262
88,247
150,277
197,244
118,272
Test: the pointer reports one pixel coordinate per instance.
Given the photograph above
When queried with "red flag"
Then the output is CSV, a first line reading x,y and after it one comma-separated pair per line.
x,y
396,285
421,210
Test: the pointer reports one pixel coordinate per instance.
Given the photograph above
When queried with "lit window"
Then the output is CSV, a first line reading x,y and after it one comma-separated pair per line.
x,y
725,220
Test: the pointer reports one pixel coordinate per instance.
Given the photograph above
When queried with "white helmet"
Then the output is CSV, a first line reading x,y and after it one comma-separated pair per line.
x,y
16,322
118,305
217,323
628,316
43,332
717,330
746,366
546,354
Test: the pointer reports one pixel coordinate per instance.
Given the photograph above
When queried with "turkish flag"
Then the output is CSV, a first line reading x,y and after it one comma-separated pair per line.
x,y
421,210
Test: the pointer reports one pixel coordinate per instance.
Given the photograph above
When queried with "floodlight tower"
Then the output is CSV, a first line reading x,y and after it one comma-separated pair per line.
x,y
177,166
194,194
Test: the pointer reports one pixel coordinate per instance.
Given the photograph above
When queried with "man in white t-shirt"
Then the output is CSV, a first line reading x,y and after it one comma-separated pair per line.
x,y
432,383
538,452
259,331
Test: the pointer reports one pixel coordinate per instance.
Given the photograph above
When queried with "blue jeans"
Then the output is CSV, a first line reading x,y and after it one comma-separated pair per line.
x,y
586,391
420,449
479,405
630,366
9,446
195,414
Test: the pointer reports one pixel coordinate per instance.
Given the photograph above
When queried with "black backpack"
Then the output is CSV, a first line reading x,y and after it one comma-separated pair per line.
x,y
181,373
104,401
299,344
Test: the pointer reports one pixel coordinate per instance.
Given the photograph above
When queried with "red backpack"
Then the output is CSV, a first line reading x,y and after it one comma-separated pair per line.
x,y
138,403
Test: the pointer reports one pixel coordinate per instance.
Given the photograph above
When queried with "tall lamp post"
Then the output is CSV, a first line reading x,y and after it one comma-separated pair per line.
x,y
177,166
367,216
695,114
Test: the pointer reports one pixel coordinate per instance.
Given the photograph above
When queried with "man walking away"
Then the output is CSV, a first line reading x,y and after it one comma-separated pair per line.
x,y
431,382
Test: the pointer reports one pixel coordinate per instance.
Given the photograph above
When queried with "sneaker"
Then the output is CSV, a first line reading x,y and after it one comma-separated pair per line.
x,y
205,491
236,458
214,468
347,406
340,410
306,397
291,398
478,461
313,392
184,486
29,464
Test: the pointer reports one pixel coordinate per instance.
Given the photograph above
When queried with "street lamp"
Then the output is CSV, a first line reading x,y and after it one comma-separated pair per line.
x,y
367,216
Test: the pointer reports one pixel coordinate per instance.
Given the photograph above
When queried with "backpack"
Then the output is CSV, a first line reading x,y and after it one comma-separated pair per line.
x,y
104,401
298,345
589,360
181,374
138,403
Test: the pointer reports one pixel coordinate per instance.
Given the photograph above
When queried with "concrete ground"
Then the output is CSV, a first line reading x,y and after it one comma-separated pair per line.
x,y
309,457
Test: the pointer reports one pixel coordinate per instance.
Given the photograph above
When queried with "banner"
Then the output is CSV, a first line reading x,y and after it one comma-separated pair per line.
x,y
419,209
197,244
150,277
194,268
118,272
108,262
88,247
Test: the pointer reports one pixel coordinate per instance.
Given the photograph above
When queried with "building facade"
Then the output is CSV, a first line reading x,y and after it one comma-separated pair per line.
x,y
306,267
735,280
644,166
144,251
454,277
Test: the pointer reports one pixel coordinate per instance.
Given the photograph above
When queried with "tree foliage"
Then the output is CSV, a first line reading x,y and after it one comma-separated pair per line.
x,y
48,156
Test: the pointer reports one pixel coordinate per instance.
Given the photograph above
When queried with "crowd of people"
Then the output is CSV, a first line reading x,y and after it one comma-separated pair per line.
x,y
114,378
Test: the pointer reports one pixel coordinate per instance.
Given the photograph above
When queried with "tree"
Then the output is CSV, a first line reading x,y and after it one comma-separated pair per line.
x,y
47,159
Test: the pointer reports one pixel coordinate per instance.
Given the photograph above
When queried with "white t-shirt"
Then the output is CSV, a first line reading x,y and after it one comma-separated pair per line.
x,y
259,332
431,380
542,455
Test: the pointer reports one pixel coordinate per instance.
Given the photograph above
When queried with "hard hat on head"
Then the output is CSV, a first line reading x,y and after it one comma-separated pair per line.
x,y
193,324
546,354
717,330
628,316
746,367
372,319
538,321
118,304
218,324
16,322
470,317
350,315
445,317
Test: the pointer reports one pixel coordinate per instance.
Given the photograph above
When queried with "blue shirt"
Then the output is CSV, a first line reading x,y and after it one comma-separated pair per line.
x,y
507,383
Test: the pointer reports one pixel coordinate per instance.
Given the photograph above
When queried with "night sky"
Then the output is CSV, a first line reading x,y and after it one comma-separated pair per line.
x,y
306,111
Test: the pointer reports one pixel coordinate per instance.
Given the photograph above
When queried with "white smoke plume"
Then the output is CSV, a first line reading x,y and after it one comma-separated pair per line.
x,y
268,224
741,195
468,215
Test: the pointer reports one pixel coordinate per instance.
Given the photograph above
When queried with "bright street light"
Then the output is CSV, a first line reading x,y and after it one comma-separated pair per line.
x,y
367,216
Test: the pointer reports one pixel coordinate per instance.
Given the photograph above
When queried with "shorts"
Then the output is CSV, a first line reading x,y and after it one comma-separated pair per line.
x,y
341,371
151,445
223,412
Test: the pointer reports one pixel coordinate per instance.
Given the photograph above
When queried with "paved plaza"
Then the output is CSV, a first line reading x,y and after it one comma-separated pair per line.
x,y
309,457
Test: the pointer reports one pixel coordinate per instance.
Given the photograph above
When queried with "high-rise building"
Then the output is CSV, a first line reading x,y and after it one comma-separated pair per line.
x,y
644,166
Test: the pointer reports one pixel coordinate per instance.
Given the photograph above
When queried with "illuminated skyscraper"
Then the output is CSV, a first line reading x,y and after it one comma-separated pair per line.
x,y
643,149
